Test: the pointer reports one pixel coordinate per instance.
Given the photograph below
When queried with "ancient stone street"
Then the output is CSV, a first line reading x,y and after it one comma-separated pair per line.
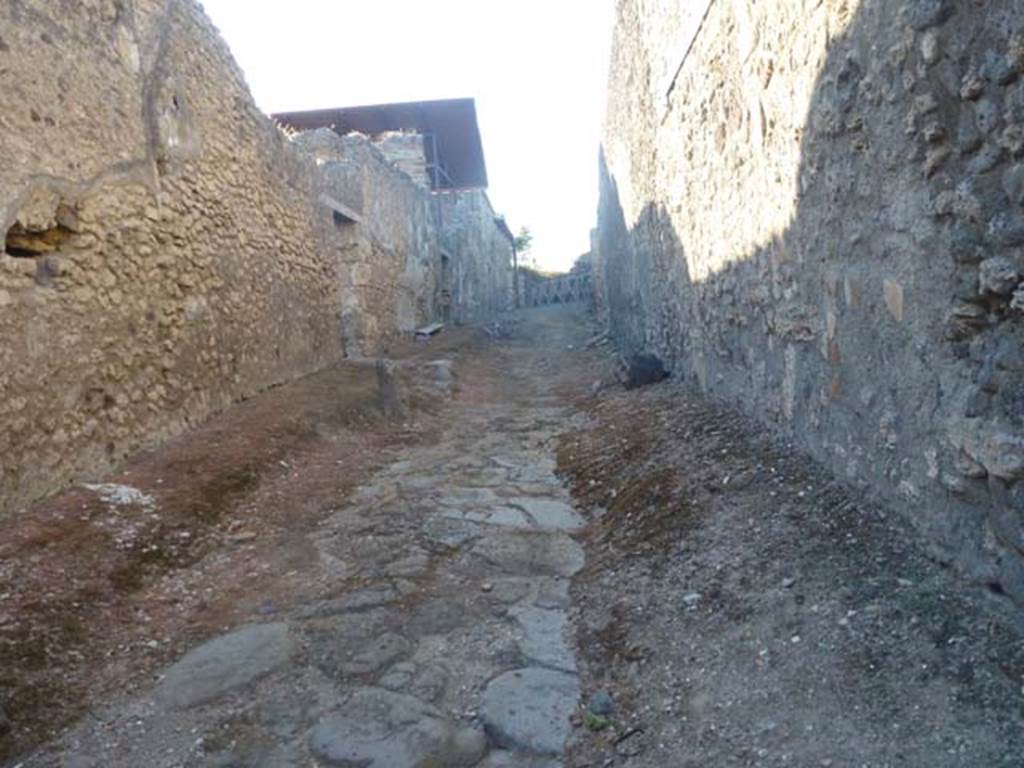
x,y
441,634
566,572
695,441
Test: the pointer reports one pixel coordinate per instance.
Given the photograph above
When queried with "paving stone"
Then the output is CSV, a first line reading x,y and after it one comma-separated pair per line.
x,y
536,474
509,517
528,709
424,681
418,486
412,565
379,653
550,488
491,477
548,514
553,593
544,638
450,532
464,498
510,590
376,728
437,617
359,601
526,553
500,758
225,664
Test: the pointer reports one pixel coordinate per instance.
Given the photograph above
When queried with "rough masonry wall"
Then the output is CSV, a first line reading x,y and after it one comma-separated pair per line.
x,y
816,214
389,262
166,250
539,289
480,276
408,153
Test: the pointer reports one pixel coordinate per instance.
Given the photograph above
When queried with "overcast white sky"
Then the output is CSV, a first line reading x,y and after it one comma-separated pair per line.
x,y
537,69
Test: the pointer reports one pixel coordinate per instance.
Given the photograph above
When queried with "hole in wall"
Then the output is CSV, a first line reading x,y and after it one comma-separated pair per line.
x,y
340,220
32,242
996,588
27,244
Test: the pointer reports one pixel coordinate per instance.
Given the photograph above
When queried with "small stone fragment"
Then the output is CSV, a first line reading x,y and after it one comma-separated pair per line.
x,y
1012,139
972,87
930,47
1017,302
893,294
999,451
987,116
1007,229
601,703
998,275
986,160
924,14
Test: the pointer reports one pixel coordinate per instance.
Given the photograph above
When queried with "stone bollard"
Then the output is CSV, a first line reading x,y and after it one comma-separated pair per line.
x,y
387,390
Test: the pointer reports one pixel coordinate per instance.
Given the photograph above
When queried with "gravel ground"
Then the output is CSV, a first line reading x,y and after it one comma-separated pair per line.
x,y
740,607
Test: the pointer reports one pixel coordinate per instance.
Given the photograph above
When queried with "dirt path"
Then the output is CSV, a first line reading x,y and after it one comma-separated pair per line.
x,y
740,607
531,571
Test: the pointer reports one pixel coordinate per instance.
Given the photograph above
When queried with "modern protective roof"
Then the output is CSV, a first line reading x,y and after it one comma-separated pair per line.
x,y
451,122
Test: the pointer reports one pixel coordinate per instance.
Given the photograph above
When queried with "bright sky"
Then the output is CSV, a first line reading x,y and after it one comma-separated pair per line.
x,y
537,69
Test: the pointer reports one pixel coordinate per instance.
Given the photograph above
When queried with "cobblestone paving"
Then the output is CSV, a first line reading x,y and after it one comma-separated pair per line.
x,y
441,636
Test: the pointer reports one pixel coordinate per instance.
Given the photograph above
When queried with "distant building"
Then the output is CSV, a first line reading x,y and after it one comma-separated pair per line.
x,y
437,144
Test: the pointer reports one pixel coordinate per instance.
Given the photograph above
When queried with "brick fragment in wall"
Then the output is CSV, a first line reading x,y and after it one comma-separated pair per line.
x,y
729,198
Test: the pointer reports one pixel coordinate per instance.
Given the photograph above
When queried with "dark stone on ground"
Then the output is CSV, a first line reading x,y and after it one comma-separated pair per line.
x,y
644,369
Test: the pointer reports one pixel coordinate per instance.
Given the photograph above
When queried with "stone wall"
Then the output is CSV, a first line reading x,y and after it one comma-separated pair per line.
x,y
389,263
814,211
168,250
480,273
408,153
539,289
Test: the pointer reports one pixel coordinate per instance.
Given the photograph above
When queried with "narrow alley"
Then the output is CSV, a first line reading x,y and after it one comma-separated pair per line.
x,y
605,384
448,602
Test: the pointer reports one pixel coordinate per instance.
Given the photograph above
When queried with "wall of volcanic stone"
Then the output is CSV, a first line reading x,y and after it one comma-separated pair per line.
x,y
814,210
167,249
479,278
389,262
